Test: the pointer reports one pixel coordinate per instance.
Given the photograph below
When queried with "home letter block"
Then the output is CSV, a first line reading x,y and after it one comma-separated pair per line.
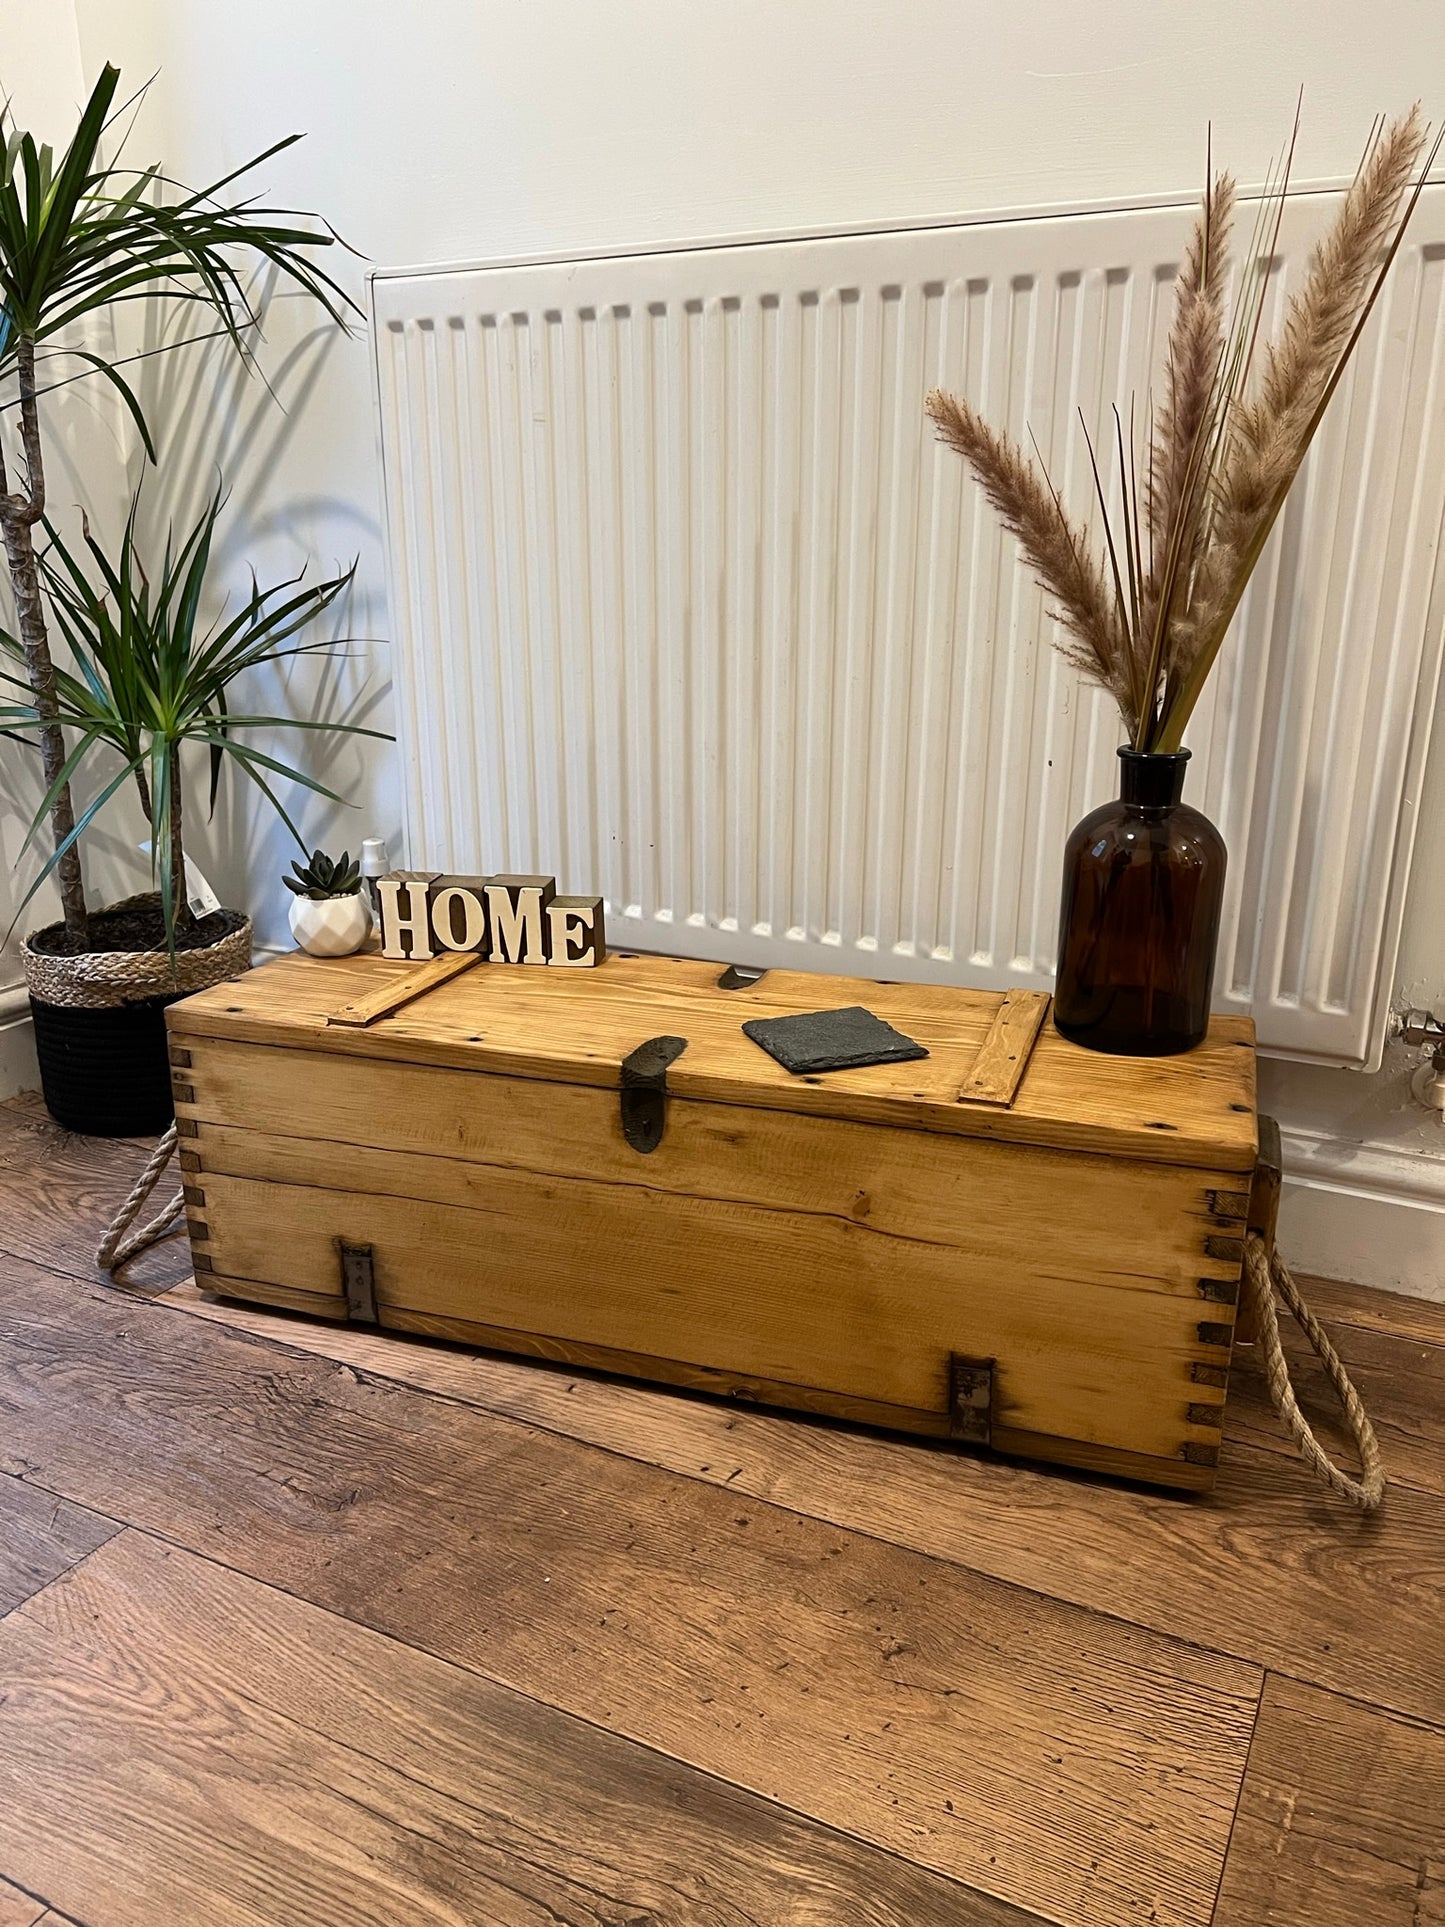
x,y
459,913
405,914
517,909
576,930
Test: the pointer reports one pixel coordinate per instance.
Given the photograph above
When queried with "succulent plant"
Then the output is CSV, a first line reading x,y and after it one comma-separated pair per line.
x,y
325,877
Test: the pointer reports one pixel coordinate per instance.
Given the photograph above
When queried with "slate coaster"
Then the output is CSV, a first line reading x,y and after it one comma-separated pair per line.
x,y
832,1040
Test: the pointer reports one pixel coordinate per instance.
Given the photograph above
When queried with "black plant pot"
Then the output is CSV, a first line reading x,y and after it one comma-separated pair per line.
x,y
105,1072
100,1025
1143,884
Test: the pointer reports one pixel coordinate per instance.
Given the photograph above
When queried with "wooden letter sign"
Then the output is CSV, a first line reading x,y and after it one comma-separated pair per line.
x,y
506,919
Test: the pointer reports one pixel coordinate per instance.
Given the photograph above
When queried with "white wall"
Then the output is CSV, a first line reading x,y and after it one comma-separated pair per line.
x,y
453,129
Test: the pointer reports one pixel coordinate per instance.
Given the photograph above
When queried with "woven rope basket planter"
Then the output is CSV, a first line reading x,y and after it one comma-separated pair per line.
x,y
106,979
100,1031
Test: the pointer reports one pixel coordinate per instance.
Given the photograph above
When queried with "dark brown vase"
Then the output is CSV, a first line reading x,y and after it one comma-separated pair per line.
x,y
1143,880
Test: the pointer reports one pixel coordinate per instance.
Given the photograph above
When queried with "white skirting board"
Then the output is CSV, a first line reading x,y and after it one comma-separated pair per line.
x,y
1372,1213
18,1068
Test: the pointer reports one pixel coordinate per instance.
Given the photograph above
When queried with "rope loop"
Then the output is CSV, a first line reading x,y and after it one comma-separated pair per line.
x,y
115,1247
1266,1273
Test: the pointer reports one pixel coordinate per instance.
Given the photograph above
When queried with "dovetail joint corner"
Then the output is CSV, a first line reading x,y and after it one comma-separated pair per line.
x,y
1232,1205
1229,1251
1220,1291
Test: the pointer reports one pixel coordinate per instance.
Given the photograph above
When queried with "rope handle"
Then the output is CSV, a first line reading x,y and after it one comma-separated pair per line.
x,y
115,1248
1266,1273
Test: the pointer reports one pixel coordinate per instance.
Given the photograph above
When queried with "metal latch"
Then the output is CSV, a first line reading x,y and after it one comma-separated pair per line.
x,y
740,977
644,1091
358,1282
970,1399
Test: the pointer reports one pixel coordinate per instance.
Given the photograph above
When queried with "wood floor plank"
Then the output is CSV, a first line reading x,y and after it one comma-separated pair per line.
x,y
58,1191
1389,1311
40,1538
1335,1598
1073,1766
19,1909
1342,1818
179,1743
1400,1379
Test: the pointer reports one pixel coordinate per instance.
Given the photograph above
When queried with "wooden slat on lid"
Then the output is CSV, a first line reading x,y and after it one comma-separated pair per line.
x,y
388,998
577,1026
999,1066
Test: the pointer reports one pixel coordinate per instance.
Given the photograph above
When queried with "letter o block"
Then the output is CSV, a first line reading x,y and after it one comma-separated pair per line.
x,y
459,913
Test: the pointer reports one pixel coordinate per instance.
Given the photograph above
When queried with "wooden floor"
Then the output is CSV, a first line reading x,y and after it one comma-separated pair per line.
x,y
309,1628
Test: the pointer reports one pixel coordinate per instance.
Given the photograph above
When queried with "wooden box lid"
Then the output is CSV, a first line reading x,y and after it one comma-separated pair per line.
x,y
996,1066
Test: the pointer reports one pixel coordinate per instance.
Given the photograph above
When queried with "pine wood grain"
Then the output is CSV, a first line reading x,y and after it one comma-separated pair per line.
x,y
40,1537
389,996
1347,1602
1091,1348
1074,1766
1342,1818
1004,1054
517,1021
363,1782
246,1098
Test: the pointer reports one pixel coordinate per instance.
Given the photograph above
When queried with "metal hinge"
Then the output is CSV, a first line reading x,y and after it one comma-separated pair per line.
x,y
644,1091
970,1399
358,1282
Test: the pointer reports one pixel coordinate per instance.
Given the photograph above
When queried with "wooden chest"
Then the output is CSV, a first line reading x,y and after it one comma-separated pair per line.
x,y
1011,1241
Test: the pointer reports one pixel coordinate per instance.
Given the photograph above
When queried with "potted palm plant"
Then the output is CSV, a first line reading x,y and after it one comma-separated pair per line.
x,y
80,235
1143,876
147,680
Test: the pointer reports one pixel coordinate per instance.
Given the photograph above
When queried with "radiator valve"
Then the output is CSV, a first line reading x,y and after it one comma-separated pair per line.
x,y
1426,1031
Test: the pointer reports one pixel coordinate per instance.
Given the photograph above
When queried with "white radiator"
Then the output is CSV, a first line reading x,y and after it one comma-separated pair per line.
x,y
690,609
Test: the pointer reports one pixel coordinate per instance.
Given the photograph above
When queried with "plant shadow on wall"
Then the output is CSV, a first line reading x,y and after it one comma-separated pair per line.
x,y
82,240
254,425
1199,492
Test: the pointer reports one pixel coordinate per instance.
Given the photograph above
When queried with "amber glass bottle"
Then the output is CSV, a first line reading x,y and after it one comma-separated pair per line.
x,y
1143,880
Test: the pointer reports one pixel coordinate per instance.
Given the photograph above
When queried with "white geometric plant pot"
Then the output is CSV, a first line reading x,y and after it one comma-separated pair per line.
x,y
331,926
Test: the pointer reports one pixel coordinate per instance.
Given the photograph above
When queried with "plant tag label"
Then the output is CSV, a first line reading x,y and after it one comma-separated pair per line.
x,y
199,894
505,919
201,898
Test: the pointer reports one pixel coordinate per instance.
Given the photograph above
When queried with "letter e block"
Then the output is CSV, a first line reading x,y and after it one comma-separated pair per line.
x,y
577,933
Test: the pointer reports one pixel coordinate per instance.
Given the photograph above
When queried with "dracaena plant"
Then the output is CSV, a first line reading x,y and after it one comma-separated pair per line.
x,y
1235,422
149,679
79,235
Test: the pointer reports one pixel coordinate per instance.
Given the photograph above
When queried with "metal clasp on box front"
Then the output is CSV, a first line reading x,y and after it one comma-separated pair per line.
x,y
358,1282
644,1091
970,1399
